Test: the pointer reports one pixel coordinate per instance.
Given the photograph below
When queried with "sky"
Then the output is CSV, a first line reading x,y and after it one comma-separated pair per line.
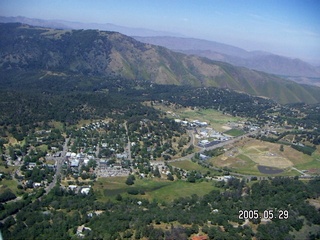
x,y
285,27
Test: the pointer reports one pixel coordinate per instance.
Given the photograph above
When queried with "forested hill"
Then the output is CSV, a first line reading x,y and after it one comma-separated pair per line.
x,y
100,53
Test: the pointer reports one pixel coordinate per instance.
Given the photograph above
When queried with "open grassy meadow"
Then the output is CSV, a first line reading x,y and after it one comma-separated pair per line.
x,y
11,184
12,141
5,183
43,147
57,125
234,132
192,166
216,119
158,189
313,167
179,189
9,169
189,166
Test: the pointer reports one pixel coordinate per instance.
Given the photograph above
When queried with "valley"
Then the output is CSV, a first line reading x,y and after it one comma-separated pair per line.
x,y
159,144
98,126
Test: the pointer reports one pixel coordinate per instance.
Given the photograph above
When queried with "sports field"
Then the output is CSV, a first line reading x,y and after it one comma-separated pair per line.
x,y
245,156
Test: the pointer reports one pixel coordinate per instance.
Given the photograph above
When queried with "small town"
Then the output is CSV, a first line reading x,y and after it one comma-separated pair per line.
x,y
105,149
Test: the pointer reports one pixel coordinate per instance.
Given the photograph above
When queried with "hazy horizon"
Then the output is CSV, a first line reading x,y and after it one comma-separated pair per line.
x,y
288,28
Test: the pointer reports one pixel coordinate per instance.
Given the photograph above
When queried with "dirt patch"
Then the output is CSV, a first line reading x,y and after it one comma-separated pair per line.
x,y
315,202
224,161
269,154
258,148
314,170
270,160
226,127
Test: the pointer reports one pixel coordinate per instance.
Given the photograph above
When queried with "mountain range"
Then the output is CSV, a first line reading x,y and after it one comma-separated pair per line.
x,y
258,60
102,53
293,69
62,24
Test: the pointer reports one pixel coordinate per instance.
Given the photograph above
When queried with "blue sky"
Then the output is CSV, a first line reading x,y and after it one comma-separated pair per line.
x,y
286,27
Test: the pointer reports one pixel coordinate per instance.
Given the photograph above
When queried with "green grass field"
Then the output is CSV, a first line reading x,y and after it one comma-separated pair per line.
x,y
215,118
5,183
179,189
57,125
234,132
11,184
43,147
9,169
158,189
312,165
189,165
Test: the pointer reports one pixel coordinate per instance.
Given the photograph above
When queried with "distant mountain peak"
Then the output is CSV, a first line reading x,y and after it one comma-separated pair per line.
x,y
257,60
79,25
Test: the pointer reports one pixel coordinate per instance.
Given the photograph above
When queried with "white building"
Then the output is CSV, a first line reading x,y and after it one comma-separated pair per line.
x,y
85,190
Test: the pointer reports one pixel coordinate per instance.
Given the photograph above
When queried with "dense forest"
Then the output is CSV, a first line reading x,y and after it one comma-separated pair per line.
x,y
68,99
217,214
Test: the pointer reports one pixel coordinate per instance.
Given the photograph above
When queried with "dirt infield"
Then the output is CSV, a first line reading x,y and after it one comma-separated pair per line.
x,y
270,159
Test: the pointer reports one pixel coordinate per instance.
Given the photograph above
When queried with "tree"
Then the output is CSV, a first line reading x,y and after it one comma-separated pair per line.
x,y
191,178
156,172
119,197
281,148
130,180
12,153
170,177
7,195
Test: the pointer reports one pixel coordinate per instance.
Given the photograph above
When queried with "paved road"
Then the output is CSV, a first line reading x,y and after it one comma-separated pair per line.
x,y
192,138
59,162
128,148
97,150
303,174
